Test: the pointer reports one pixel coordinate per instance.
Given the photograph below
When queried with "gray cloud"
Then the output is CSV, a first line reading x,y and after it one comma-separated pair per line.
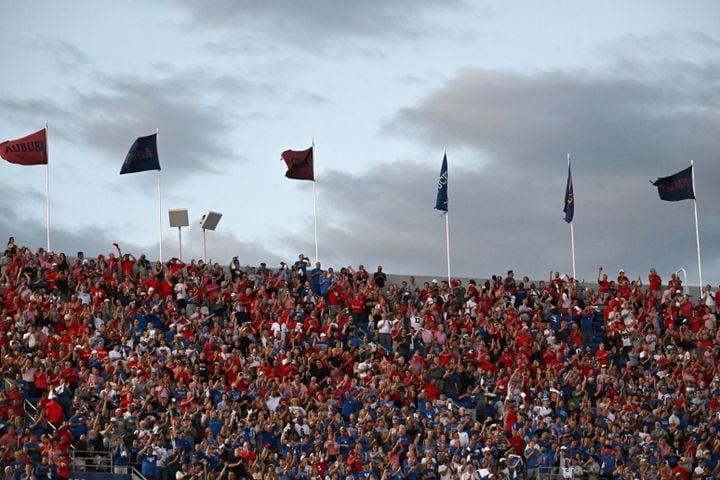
x,y
66,55
29,111
609,121
315,24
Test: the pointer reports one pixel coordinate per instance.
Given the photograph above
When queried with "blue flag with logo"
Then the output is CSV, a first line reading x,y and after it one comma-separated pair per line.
x,y
676,187
442,191
143,155
569,208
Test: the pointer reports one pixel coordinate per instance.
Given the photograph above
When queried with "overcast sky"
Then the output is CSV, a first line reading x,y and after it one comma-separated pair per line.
x,y
630,89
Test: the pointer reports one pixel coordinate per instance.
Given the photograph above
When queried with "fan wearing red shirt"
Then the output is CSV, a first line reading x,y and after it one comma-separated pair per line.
x,y
245,299
558,281
696,319
523,337
166,288
674,284
248,454
70,374
53,412
357,309
15,400
679,471
654,283
175,265
112,262
686,308
602,355
624,289
127,264
603,284
335,299
510,417
575,337
636,295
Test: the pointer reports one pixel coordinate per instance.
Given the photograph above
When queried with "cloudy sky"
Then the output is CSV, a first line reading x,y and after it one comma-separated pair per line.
x,y
630,89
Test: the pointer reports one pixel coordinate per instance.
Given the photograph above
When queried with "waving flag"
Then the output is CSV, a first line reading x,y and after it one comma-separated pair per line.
x,y
442,190
143,156
30,150
299,163
569,208
676,187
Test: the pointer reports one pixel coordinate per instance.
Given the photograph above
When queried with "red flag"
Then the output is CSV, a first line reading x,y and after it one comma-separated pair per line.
x,y
30,150
299,163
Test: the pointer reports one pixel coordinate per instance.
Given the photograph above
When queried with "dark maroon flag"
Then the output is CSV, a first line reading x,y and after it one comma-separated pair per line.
x,y
30,150
299,163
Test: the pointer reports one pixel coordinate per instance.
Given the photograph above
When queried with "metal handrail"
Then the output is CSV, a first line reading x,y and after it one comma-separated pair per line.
x,y
686,287
32,412
547,473
108,464
28,407
105,457
136,474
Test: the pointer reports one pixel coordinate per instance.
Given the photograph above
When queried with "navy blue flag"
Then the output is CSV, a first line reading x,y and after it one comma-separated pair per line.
x,y
442,193
143,155
569,207
676,187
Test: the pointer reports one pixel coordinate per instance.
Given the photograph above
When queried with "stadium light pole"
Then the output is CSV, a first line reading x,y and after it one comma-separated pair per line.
x,y
179,219
209,221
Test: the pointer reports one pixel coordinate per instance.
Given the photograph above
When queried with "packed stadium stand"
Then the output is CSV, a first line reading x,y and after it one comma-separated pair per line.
x,y
115,366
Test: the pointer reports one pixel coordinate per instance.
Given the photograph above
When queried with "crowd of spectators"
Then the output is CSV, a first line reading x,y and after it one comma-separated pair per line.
x,y
203,371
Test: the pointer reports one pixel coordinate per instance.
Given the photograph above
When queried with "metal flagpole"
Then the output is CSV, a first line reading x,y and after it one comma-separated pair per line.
x,y
572,243
447,241
572,227
317,254
697,228
447,228
159,197
47,185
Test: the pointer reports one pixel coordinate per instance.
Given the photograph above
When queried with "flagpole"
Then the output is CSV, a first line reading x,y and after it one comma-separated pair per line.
x,y
159,197
697,227
447,232
317,254
447,242
572,229
572,246
47,185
